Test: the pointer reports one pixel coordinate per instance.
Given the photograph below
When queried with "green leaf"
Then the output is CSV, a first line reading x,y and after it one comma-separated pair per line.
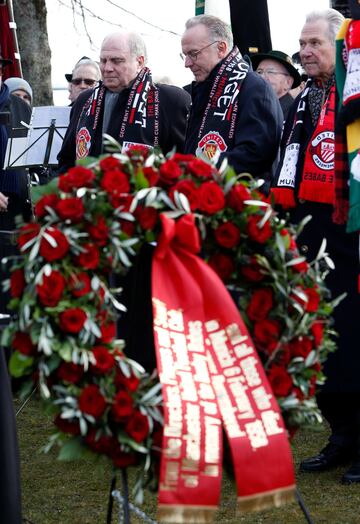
x,y
38,192
71,450
19,364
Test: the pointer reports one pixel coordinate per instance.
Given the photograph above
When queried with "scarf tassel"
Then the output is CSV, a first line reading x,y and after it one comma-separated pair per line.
x,y
284,197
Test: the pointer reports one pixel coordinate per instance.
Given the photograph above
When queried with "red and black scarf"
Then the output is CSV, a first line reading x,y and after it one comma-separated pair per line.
x,y
217,128
139,120
315,180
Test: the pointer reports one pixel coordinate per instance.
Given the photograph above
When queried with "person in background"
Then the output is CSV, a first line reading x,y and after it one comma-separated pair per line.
x,y
158,113
85,75
278,69
235,113
304,184
12,109
21,88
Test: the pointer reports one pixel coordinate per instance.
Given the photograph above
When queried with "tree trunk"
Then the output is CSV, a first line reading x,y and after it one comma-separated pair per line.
x,y
30,17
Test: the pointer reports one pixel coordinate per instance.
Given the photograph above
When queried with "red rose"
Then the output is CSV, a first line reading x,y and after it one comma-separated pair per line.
x,y
70,209
105,360
109,163
137,426
70,372
256,233
300,347
211,198
121,201
317,331
122,407
17,283
90,257
227,235
99,231
181,158
102,444
26,234
313,298
146,216
108,332
169,172
222,264
23,344
115,182
189,189
151,175
199,168
51,289
122,382
91,401
127,227
253,271
280,381
72,320
138,150
56,248
75,178
47,201
80,284
260,304
67,426
267,332
236,196
121,459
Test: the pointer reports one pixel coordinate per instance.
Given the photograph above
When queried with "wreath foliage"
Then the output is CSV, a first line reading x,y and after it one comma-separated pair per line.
x,y
93,220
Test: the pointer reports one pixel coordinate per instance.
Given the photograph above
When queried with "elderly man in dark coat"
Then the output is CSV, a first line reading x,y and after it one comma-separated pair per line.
x,y
305,185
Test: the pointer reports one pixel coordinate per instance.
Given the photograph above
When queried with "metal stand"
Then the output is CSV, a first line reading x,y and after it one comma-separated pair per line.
x,y
125,507
302,506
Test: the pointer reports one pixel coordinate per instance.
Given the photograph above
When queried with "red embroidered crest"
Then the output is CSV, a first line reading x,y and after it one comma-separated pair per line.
x,y
212,142
83,143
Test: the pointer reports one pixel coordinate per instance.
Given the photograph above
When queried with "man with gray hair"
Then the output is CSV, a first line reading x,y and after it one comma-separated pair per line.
x,y
126,105
304,184
235,113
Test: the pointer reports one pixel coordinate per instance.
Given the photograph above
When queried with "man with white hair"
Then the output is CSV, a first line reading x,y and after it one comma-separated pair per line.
x,y
85,75
304,184
127,105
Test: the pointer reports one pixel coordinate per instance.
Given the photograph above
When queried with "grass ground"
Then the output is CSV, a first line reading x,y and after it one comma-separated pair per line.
x,y
77,493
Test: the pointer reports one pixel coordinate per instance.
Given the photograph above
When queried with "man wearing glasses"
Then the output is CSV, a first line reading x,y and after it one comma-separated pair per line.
x,y
235,113
85,75
126,105
277,68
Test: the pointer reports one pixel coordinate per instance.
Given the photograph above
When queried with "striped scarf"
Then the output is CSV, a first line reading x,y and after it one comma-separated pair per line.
x,y
347,149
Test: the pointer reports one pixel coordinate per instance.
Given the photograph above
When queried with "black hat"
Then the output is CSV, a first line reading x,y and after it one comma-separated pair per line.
x,y
68,76
4,61
280,57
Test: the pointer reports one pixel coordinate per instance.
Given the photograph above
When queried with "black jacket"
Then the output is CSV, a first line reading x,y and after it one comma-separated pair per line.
x,y
174,104
258,126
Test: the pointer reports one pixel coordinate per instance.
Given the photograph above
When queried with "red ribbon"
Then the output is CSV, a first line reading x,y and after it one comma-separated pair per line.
x,y
211,378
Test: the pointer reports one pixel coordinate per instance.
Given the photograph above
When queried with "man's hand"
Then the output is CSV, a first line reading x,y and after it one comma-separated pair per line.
x,y
3,202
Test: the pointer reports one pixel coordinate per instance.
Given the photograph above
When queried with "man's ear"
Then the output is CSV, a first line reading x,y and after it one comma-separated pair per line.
x,y
223,49
141,61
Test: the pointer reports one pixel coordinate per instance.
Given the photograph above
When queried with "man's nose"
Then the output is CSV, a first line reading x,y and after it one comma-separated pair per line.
x,y
188,61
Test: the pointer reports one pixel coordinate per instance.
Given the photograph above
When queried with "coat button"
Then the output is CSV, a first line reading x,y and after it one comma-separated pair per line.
x,y
304,249
302,201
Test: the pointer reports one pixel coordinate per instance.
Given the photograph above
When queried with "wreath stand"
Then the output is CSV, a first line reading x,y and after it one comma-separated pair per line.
x,y
125,506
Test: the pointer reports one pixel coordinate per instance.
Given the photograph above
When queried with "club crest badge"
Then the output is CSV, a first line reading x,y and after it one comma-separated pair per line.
x,y
83,143
323,150
211,144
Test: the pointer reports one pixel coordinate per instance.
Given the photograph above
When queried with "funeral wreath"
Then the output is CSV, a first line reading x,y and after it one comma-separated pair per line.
x,y
93,220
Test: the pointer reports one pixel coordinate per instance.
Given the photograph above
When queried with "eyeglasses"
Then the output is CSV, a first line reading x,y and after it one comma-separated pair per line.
x,y
194,54
270,72
87,81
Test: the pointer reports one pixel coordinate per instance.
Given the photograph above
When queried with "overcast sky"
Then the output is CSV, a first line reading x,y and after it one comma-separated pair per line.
x,y
166,19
